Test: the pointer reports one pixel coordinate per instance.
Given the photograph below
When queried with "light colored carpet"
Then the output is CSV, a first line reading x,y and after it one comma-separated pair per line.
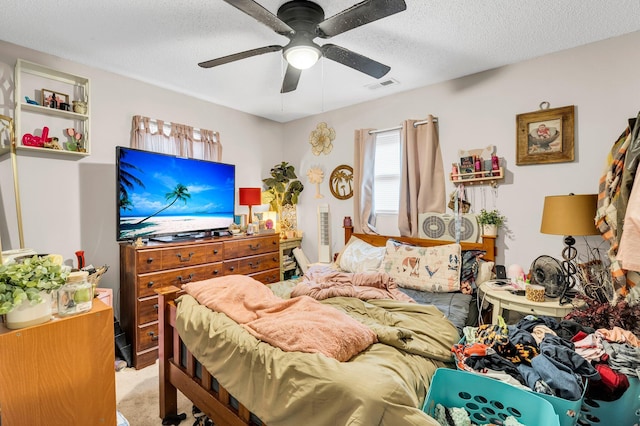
x,y
137,397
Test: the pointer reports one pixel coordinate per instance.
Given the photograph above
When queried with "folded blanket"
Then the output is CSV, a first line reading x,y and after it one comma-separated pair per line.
x,y
300,324
322,282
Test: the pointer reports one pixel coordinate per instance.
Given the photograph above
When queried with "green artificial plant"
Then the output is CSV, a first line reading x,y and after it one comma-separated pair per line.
x,y
282,188
492,217
25,280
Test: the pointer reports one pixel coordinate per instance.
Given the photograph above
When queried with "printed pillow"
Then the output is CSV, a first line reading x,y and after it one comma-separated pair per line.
x,y
360,256
435,269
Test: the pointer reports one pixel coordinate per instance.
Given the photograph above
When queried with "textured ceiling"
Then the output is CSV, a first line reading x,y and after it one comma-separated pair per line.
x,y
161,42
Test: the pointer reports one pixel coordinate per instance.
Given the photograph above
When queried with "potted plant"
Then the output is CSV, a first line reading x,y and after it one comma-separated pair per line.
x,y
26,287
490,221
282,188
281,193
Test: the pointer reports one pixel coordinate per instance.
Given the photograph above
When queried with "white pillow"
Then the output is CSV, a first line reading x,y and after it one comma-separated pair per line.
x,y
360,256
435,269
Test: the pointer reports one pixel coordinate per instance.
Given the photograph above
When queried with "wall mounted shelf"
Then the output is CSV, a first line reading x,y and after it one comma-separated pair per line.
x,y
485,177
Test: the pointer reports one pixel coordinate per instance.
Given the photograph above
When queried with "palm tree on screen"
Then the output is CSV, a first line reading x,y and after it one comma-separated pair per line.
x,y
126,180
180,192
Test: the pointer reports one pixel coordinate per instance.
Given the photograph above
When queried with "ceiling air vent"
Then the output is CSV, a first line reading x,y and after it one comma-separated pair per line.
x,y
383,83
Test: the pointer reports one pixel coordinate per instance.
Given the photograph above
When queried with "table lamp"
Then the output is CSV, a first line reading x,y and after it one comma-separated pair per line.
x,y
250,197
569,215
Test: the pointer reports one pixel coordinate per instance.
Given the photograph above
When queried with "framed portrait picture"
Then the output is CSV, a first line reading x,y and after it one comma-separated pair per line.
x,y
52,99
545,136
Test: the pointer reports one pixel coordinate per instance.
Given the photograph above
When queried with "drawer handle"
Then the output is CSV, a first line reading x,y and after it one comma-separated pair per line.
x,y
150,284
149,259
275,259
186,259
252,266
232,268
155,306
185,281
215,272
215,251
153,336
256,247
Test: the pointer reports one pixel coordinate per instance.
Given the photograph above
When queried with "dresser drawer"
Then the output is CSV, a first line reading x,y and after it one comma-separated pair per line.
x,y
148,283
147,336
267,277
254,264
148,261
147,310
185,256
251,246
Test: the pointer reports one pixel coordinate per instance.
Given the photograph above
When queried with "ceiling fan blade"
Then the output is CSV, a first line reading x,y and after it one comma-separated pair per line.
x,y
359,14
262,15
291,78
238,56
354,60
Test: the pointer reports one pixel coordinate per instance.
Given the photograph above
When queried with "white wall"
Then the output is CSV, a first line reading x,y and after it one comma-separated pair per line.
x,y
600,79
69,204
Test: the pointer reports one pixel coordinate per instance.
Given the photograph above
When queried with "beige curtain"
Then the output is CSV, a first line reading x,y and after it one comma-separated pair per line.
x,y
422,186
185,141
363,176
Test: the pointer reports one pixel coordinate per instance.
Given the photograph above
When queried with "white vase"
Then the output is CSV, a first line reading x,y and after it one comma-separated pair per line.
x,y
27,315
490,230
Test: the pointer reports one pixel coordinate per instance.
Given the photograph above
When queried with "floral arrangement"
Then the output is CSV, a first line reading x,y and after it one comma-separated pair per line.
x,y
25,280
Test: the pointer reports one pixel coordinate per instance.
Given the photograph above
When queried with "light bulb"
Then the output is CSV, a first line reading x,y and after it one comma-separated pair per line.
x,y
302,57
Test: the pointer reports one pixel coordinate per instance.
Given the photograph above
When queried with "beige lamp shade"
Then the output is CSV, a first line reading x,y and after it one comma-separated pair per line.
x,y
570,215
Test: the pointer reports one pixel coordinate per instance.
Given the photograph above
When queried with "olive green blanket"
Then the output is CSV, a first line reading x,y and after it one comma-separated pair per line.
x,y
384,385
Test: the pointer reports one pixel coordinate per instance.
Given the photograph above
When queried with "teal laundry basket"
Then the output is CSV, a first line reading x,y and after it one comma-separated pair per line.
x,y
487,400
624,411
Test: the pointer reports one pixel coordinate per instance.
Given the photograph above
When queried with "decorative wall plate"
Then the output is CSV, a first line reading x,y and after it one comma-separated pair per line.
x,y
321,139
341,182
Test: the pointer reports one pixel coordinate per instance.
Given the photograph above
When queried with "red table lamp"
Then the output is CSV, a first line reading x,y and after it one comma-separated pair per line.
x,y
250,197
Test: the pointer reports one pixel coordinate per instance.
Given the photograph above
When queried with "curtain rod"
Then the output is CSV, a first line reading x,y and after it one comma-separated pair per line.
x,y
416,124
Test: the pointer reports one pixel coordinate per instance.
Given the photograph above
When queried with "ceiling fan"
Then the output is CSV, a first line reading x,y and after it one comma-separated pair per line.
x,y
302,21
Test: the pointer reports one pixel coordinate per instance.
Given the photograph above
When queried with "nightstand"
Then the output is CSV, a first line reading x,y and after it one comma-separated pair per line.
x,y
503,299
288,262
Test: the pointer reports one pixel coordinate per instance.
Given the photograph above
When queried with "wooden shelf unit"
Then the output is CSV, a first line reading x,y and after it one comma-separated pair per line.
x,y
490,177
145,269
286,251
60,372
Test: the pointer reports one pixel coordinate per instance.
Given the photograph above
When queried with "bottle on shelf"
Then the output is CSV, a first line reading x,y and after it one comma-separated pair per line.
x,y
495,165
454,172
477,165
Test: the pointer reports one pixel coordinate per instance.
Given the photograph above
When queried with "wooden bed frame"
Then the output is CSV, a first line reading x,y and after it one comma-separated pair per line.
x,y
179,370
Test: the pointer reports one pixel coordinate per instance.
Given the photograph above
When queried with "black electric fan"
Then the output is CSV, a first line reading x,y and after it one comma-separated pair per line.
x,y
301,21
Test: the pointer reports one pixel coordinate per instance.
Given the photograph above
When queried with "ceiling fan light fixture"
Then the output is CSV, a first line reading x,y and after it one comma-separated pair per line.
x,y
302,57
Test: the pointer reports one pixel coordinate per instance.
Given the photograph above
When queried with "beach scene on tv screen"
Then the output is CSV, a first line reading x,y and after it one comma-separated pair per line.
x,y
166,195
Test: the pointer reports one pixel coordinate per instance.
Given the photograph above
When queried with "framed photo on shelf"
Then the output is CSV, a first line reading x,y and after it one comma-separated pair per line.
x,y
52,99
545,136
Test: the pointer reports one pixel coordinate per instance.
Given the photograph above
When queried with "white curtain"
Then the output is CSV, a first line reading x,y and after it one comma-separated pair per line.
x,y
175,139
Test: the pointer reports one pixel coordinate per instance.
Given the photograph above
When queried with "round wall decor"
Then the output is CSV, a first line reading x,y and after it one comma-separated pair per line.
x,y
341,182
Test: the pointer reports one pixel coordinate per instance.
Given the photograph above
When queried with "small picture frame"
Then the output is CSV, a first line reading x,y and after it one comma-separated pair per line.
x,y
53,99
545,136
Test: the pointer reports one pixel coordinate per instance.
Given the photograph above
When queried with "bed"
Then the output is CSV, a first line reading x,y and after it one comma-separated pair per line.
x,y
236,379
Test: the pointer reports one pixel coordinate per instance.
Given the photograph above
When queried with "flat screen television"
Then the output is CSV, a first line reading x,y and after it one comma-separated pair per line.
x,y
166,197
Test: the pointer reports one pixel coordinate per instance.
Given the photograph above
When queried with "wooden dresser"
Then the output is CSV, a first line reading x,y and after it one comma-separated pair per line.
x,y
155,265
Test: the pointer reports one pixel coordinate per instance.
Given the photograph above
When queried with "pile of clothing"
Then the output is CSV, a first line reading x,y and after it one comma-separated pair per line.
x,y
552,357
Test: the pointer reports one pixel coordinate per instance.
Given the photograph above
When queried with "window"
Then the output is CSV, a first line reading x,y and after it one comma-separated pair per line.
x,y
387,173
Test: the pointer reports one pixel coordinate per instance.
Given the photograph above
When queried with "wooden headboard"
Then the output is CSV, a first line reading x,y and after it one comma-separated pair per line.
x,y
487,243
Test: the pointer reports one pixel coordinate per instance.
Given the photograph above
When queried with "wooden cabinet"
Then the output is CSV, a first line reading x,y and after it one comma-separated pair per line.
x,y
60,372
155,265
37,81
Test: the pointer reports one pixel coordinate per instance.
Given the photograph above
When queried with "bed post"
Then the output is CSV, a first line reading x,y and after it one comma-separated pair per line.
x,y
168,392
347,224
